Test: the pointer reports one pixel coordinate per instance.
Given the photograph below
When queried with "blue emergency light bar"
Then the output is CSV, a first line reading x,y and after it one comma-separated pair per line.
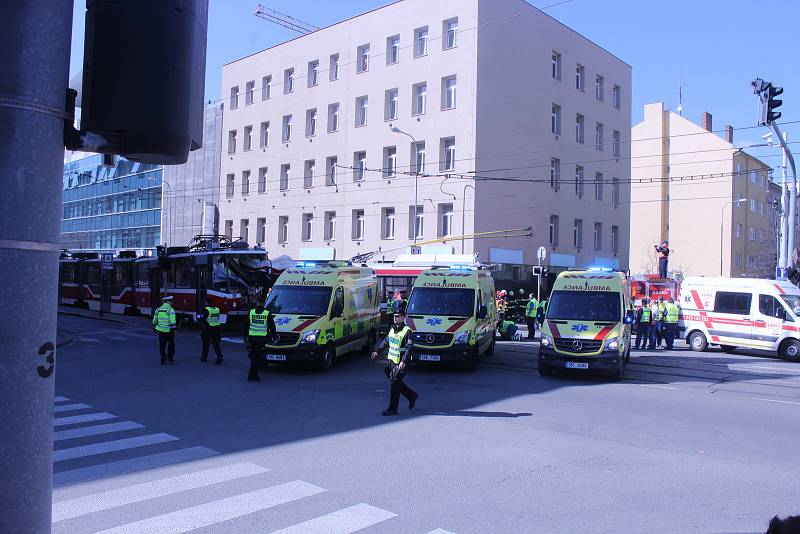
x,y
597,269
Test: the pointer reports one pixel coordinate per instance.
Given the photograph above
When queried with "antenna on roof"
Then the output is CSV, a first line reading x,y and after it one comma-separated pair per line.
x,y
281,19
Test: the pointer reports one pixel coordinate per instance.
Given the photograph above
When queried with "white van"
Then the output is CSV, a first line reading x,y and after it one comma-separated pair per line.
x,y
741,312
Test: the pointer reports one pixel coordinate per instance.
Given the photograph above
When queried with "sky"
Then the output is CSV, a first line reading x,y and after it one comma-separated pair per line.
x,y
710,48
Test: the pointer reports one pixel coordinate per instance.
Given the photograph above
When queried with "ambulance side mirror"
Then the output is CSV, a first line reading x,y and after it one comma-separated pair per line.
x,y
482,312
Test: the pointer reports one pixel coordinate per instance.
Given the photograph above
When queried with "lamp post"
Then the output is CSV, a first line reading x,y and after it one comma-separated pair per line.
x,y
395,129
463,214
722,227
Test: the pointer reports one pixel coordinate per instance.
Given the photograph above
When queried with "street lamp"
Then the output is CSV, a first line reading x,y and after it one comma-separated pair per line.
x,y
722,227
395,129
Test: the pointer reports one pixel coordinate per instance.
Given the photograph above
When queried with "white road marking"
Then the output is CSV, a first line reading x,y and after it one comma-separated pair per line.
x,y
69,407
106,500
440,531
238,340
655,386
110,446
775,368
131,465
95,430
342,521
60,399
214,512
775,400
85,418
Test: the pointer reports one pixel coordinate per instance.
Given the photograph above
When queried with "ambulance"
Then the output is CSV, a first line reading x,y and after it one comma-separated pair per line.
x,y
749,313
452,315
323,310
588,323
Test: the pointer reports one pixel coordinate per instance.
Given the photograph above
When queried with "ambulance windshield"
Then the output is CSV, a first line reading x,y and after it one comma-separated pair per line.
x,y
442,301
793,301
584,306
299,300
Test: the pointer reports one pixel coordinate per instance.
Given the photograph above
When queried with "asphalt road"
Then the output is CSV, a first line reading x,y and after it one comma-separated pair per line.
x,y
687,442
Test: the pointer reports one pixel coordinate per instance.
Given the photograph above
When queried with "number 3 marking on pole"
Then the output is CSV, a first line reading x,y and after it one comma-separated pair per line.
x,y
48,350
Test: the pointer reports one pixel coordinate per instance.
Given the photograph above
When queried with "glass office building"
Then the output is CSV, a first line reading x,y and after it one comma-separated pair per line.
x,y
109,208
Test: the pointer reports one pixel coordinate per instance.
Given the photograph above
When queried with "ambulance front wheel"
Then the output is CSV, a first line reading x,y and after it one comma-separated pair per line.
x,y
790,350
698,341
327,358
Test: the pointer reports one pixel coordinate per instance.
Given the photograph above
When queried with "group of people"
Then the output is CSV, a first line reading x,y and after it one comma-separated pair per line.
x,y
511,310
656,322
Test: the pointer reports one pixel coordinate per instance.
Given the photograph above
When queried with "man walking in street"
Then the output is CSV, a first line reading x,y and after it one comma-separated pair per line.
x,y
209,320
672,312
530,315
164,323
663,258
260,324
397,340
644,319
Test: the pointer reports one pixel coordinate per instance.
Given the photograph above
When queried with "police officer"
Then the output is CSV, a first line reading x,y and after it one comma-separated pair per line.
x,y
671,315
644,319
541,311
164,323
260,324
530,315
397,339
211,326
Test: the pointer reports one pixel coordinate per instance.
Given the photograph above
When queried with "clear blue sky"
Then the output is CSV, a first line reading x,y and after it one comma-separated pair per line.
x,y
713,47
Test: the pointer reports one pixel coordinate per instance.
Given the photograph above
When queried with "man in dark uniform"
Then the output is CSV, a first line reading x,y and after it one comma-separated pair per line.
x,y
260,324
397,339
209,320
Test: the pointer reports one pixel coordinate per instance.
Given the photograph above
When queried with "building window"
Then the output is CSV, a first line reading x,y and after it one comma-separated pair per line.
x,y
420,91
232,142
266,87
261,230
391,103
616,95
288,81
738,260
362,105
286,134
579,179
416,222
555,174
449,92
421,42
579,128
615,240
615,191
419,156
615,140
330,226
754,205
245,183
262,180
362,54
754,176
283,229
739,170
229,229
264,137
308,226
753,233
763,209
247,143
230,181
598,186
333,69
598,236
358,225
553,230
244,225
577,234
448,157
555,119
285,170
313,73
580,78
751,262
249,89
308,173
738,231
598,136
311,122
445,220
599,88
450,33
556,66
333,117
331,165
234,97
739,200
763,236
387,226
393,50
389,162
359,165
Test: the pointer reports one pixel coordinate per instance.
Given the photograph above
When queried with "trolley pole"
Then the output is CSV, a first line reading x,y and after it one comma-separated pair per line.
x,y
32,102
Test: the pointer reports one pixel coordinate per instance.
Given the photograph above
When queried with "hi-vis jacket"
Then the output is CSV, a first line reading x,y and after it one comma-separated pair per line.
x,y
396,339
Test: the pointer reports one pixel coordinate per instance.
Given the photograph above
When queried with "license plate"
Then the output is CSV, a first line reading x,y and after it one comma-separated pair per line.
x,y
428,357
576,365
276,357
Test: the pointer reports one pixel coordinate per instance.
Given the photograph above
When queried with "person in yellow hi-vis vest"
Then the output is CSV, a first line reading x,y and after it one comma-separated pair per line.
x,y
260,324
396,339
164,323
209,318
672,313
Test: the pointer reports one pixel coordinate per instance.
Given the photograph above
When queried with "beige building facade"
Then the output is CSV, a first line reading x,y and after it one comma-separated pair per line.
x,y
713,202
509,120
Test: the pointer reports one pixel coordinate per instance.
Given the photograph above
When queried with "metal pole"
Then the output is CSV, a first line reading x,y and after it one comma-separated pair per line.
x,y
792,224
34,88
783,260
539,280
721,232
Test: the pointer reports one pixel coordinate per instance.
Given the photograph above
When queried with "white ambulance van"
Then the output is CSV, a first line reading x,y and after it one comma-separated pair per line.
x,y
741,312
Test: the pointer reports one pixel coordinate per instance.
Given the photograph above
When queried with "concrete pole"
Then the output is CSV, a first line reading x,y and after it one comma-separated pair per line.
x,y
793,187
783,258
35,65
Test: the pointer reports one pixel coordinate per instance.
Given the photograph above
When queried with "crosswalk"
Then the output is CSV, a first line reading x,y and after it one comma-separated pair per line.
x,y
181,489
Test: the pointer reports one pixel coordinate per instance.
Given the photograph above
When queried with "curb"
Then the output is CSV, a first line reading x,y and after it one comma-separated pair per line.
x,y
97,318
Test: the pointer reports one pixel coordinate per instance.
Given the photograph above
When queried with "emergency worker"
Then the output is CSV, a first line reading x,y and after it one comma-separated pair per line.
x,y
164,324
663,258
507,330
530,315
521,306
672,312
541,312
511,306
397,339
260,324
644,321
209,319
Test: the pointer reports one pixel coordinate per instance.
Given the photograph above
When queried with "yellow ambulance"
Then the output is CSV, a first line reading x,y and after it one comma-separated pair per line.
x,y
452,315
588,323
323,310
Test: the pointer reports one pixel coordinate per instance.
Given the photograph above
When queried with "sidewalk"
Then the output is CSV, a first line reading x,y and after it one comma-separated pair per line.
x,y
89,314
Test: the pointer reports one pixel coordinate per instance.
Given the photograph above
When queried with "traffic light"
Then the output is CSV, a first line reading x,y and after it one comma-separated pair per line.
x,y
766,94
773,103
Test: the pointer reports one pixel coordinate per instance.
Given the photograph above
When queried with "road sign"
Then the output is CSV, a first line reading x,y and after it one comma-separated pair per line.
x,y
107,260
416,250
541,254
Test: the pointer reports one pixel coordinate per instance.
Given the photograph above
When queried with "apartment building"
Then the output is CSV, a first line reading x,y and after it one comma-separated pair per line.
x,y
420,121
713,201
